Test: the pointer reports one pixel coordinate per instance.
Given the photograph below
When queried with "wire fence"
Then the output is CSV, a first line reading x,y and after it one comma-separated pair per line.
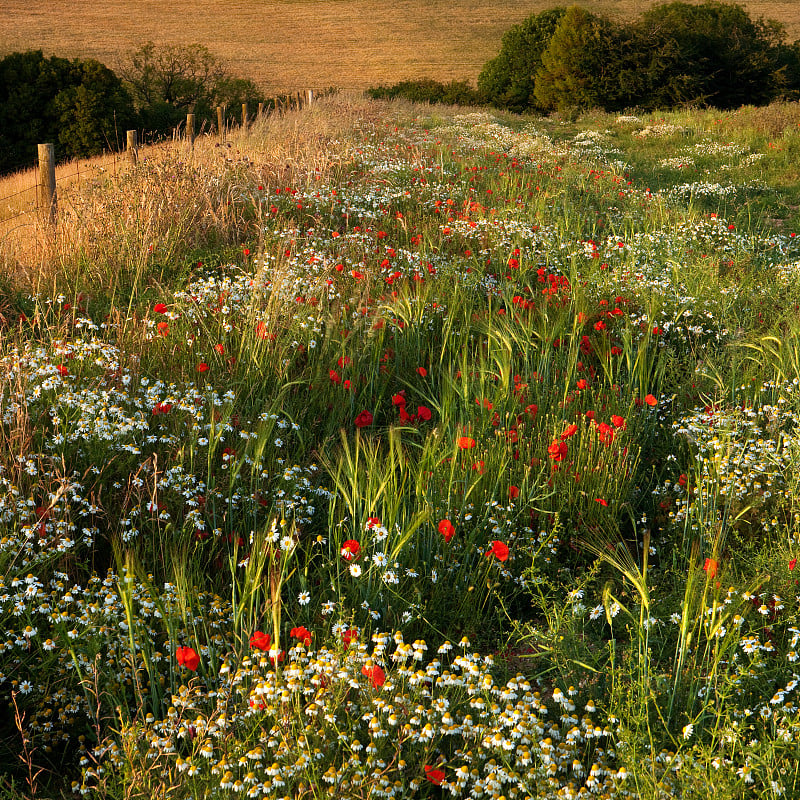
x,y
280,103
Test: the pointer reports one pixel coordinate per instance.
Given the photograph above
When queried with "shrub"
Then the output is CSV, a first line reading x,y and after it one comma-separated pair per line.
x,y
507,80
426,90
581,64
77,105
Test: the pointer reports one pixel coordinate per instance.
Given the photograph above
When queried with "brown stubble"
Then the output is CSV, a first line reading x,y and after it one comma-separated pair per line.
x,y
296,44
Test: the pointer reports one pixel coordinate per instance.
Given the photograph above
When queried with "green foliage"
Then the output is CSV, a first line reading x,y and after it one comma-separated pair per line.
x,y
581,63
711,54
426,90
507,80
80,106
169,81
676,54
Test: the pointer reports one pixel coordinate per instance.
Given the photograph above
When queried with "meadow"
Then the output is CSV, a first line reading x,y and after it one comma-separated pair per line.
x,y
388,450
291,45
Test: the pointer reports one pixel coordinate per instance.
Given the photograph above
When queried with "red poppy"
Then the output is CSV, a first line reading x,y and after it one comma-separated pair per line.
x,y
351,550
62,370
344,361
363,419
499,550
260,641
650,400
376,675
618,421
424,413
513,492
261,330
711,567
302,633
202,367
187,657
605,433
220,348
582,383
568,432
792,563
334,376
398,399
349,636
422,372
465,443
447,529
163,328
601,501
435,776
162,408
558,451
160,308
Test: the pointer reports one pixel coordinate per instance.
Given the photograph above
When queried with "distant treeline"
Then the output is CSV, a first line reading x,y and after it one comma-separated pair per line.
x,y
84,108
675,54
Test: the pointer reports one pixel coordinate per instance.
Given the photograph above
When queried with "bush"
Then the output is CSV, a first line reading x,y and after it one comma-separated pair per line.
x,y
581,64
676,54
710,55
80,106
169,81
427,90
507,81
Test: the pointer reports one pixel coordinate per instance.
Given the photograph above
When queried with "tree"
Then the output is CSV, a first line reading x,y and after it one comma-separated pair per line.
x,y
712,54
77,105
581,64
169,81
508,79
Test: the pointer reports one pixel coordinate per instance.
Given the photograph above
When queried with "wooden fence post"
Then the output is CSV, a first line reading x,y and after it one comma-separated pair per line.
x,y
48,202
260,110
310,96
244,116
220,123
190,129
132,148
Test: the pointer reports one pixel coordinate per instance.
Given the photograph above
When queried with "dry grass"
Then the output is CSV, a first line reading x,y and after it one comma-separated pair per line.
x,y
115,220
296,44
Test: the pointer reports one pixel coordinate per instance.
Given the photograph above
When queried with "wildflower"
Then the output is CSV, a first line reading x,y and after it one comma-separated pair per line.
x,y
163,328
302,634
792,563
557,451
260,641
618,421
447,529
513,492
710,567
304,598
650,400
465,443
351,550
355,570
160,308
202,367
435,776
499,550
188,658
363,419
422,372
349,636
375,674
569,432
423,412
602,502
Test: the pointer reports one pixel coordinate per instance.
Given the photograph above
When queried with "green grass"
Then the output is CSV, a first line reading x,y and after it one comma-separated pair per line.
x,y
410,452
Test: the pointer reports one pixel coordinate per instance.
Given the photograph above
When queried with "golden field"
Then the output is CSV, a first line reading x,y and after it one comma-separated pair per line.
x,y
294,44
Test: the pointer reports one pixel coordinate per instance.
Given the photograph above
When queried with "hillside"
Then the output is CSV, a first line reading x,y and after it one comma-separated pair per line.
x,y
298,44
